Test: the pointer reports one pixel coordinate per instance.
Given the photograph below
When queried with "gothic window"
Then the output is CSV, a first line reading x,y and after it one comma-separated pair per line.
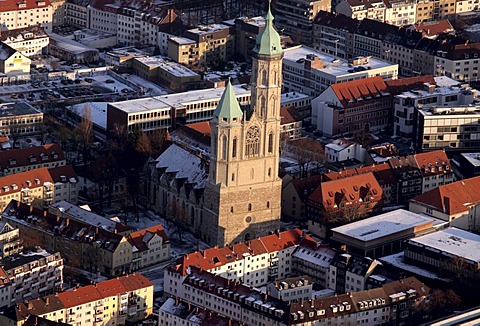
x,y
263,106
224,147
269,172
252,142
249,207
273,103
270,142
234,147
264,78
275,76
268,204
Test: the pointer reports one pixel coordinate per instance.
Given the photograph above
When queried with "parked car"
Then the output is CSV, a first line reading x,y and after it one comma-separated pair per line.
x,y
110,81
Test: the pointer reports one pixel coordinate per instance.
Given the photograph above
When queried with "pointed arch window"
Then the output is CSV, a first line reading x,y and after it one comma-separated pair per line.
x,y
263,106
224,147
275,77
252,142
264,77
273,102
234,147
270,142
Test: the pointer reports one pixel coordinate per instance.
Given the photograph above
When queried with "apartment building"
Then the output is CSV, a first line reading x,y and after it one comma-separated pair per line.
x,y
295,192
149,246
125,299
352,106
14,14
360,9
291,124
313,260
12,62
39,187
292,289
458,61
349,273
29,41
166,111
31,274
76,12
310,72
333,34
456,203
10,242
400,12
25,159
58,12
295,18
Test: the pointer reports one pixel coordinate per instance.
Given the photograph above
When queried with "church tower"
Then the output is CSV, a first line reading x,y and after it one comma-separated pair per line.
x,y
243,192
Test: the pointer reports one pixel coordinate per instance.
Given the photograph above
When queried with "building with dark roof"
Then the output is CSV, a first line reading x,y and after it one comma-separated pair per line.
x,y
29,41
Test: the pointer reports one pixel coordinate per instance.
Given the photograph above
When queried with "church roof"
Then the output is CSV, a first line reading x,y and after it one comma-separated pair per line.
x,y
228,106
268,41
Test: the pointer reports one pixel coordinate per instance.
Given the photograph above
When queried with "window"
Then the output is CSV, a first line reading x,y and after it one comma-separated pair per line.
x,y
252,142
234,147
224,147
270,142
249,207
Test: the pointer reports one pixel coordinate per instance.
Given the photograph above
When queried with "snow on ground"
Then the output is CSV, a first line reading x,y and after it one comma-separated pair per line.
x,y
98,110
397,260
150,88
116,86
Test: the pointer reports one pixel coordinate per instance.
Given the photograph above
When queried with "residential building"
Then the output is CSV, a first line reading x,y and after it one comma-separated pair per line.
x,y
291,123
429,96
311,72
458,61
160,70
446,250
76,12
70,50
13,62
9,240
65,182
341,150
338,201
408,176
358,9
292,289
149,246
333,34
369,37
352,106
29,41
31,274
211,44
58,12
400,12
15,15
350,273
300,105
456,203
101,245
313,260
121,58
295,18
38,187
26,159
295,192
432,29
125,299
166,111
384,234
424,57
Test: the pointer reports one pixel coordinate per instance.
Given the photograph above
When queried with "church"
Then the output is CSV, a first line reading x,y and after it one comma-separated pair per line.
x,y
229,191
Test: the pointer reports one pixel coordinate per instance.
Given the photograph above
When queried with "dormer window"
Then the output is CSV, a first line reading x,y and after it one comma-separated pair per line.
x,y
12,161
21,4
40,3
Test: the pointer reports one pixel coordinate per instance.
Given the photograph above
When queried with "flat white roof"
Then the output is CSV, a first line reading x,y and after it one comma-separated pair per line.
x,y
383,225
208,29
473,158
181,40
293,97
452,241
171,67
338,68
176,100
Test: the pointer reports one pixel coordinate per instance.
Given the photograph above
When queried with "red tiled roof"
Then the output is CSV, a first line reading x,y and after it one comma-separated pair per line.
x,y
3,139
135,281
369,88
453,198
433,163
137,238
434,28
79,296
24,180
349,190
62,171
286,116
382,172
398,86
12,5
306,186
202,127
22,157
215,257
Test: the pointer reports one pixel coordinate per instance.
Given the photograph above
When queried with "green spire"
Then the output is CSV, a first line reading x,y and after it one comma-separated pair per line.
x,y
228,106
268,41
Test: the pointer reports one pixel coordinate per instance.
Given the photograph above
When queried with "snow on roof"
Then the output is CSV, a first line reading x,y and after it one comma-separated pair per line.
x,y
290,97
177,100
98,110
68,45
444,81
208,29
320,257
338,68
396,260
473,158
171,67
181,40
185,164
383,225
452,241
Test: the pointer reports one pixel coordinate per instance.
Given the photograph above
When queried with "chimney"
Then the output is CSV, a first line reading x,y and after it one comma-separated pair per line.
x,y
47,301
96,230
67,222
31,208
29,305
45,212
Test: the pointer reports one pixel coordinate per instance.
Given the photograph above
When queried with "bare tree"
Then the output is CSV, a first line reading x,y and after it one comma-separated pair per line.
x,y
307,152
180,217
84,132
